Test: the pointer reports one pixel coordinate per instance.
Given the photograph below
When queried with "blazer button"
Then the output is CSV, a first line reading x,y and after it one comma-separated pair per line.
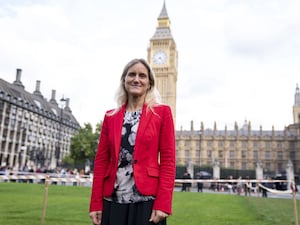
x,y
135,161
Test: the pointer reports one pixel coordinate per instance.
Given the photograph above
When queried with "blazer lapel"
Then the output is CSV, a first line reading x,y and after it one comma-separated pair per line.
x,y
144,120
118,123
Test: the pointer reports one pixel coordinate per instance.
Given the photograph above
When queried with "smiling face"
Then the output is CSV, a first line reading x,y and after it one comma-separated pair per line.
x,y
136,81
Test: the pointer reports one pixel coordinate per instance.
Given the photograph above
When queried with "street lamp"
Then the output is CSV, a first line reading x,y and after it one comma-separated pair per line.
x,y
58,147
200,140
21,158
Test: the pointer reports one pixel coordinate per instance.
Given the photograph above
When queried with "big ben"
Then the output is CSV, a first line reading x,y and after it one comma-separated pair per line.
x,y
163,56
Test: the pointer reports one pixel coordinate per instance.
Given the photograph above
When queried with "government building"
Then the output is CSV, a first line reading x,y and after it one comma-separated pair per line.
x,y
34,132
241,148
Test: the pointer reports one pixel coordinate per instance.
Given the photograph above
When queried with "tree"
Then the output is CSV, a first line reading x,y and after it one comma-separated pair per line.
x,y
84,144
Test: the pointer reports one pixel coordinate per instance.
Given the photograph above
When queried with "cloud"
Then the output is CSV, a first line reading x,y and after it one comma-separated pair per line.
x,y
238,59
262,29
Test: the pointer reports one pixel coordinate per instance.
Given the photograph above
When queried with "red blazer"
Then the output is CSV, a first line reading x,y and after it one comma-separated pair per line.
x,y
154,163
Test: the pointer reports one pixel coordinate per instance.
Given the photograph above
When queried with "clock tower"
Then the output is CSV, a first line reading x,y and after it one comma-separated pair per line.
x,y
162,56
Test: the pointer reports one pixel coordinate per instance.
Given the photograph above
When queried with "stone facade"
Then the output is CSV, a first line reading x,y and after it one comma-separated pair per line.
x,y
240,148
163,56
34,132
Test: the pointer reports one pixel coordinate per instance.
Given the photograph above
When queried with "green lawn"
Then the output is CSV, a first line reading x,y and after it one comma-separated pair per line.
x,y
67,205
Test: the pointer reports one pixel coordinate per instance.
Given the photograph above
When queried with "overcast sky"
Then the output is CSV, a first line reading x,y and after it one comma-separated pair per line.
x,y
238,59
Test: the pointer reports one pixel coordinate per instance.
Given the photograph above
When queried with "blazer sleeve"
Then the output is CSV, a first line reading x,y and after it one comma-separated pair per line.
x,y
100,166
167,167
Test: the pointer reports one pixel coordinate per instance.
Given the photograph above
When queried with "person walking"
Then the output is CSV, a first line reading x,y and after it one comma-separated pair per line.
x,y
200,183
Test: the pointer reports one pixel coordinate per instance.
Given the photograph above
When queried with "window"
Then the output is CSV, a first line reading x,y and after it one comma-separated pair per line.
x,y
244,165
220,154
244,154
232,144
255,145
268,155
209,144
209,153
12,123
255,154
1,105
244,145
279,155
231,154
292,155
292,144
186,143
186,153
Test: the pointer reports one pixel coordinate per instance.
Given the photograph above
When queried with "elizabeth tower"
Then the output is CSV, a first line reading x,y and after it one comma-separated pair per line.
x,y
162,56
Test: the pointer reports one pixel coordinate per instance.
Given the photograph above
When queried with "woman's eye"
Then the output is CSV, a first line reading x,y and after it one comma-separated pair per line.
x,y
140,75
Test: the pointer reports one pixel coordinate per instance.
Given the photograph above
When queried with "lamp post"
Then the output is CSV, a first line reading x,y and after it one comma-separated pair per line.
x,y
200,140
58,147
21,158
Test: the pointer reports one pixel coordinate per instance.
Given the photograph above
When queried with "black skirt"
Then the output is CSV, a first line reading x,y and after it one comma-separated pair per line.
x,y
128,214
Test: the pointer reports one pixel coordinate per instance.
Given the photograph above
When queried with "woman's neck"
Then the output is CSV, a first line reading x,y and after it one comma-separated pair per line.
x,y
134,104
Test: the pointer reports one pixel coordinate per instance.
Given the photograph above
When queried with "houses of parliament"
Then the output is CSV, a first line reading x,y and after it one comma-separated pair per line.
x,y
241,148
35,130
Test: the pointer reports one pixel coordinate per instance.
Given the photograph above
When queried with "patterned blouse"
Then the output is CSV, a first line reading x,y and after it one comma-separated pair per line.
x,y
125,190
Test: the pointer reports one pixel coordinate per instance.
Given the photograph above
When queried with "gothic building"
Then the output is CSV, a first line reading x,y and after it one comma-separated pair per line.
x,y
162,56
240,148
33,131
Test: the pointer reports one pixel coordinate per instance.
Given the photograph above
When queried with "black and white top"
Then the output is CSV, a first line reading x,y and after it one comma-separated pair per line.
x,y
125,190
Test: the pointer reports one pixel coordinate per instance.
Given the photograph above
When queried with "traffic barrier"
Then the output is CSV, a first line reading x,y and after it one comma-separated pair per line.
x,y
52,178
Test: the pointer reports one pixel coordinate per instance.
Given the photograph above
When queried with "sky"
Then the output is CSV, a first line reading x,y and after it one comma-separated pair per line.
x,y
238,60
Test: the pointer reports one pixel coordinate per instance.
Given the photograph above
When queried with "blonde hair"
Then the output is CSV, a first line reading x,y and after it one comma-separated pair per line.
x,y
152,97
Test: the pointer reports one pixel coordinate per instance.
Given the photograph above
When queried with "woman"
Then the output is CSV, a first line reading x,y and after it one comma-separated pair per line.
x,y
134,168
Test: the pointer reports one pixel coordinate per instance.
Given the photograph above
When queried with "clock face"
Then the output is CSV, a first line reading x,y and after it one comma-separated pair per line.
x,y
159,57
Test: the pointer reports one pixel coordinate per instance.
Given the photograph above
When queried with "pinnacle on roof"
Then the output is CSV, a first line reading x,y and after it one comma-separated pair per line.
x,y
163,14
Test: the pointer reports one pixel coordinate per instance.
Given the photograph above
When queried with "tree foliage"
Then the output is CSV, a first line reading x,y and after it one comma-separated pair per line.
x,y
84,143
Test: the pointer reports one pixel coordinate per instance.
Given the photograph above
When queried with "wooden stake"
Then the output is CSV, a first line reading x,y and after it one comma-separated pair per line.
x,y
45,201
295,203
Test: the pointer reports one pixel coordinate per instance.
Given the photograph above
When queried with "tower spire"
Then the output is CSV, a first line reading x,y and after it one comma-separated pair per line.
x,y
162,55
296,107
163,14
297,96
163,30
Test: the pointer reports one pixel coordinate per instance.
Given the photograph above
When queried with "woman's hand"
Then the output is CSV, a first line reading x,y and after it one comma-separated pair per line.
x,y
157,216
96,217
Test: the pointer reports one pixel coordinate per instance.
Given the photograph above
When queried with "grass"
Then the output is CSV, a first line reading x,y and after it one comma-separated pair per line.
x,y
67,205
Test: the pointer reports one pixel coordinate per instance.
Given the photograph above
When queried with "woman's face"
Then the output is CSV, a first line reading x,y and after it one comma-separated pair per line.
x,y
137,80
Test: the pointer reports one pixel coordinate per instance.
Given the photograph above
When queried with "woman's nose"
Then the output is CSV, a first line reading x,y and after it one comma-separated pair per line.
x,y
136,77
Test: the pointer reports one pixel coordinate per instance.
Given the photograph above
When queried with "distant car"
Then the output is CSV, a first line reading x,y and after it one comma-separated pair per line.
x,y
280,185
203,175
